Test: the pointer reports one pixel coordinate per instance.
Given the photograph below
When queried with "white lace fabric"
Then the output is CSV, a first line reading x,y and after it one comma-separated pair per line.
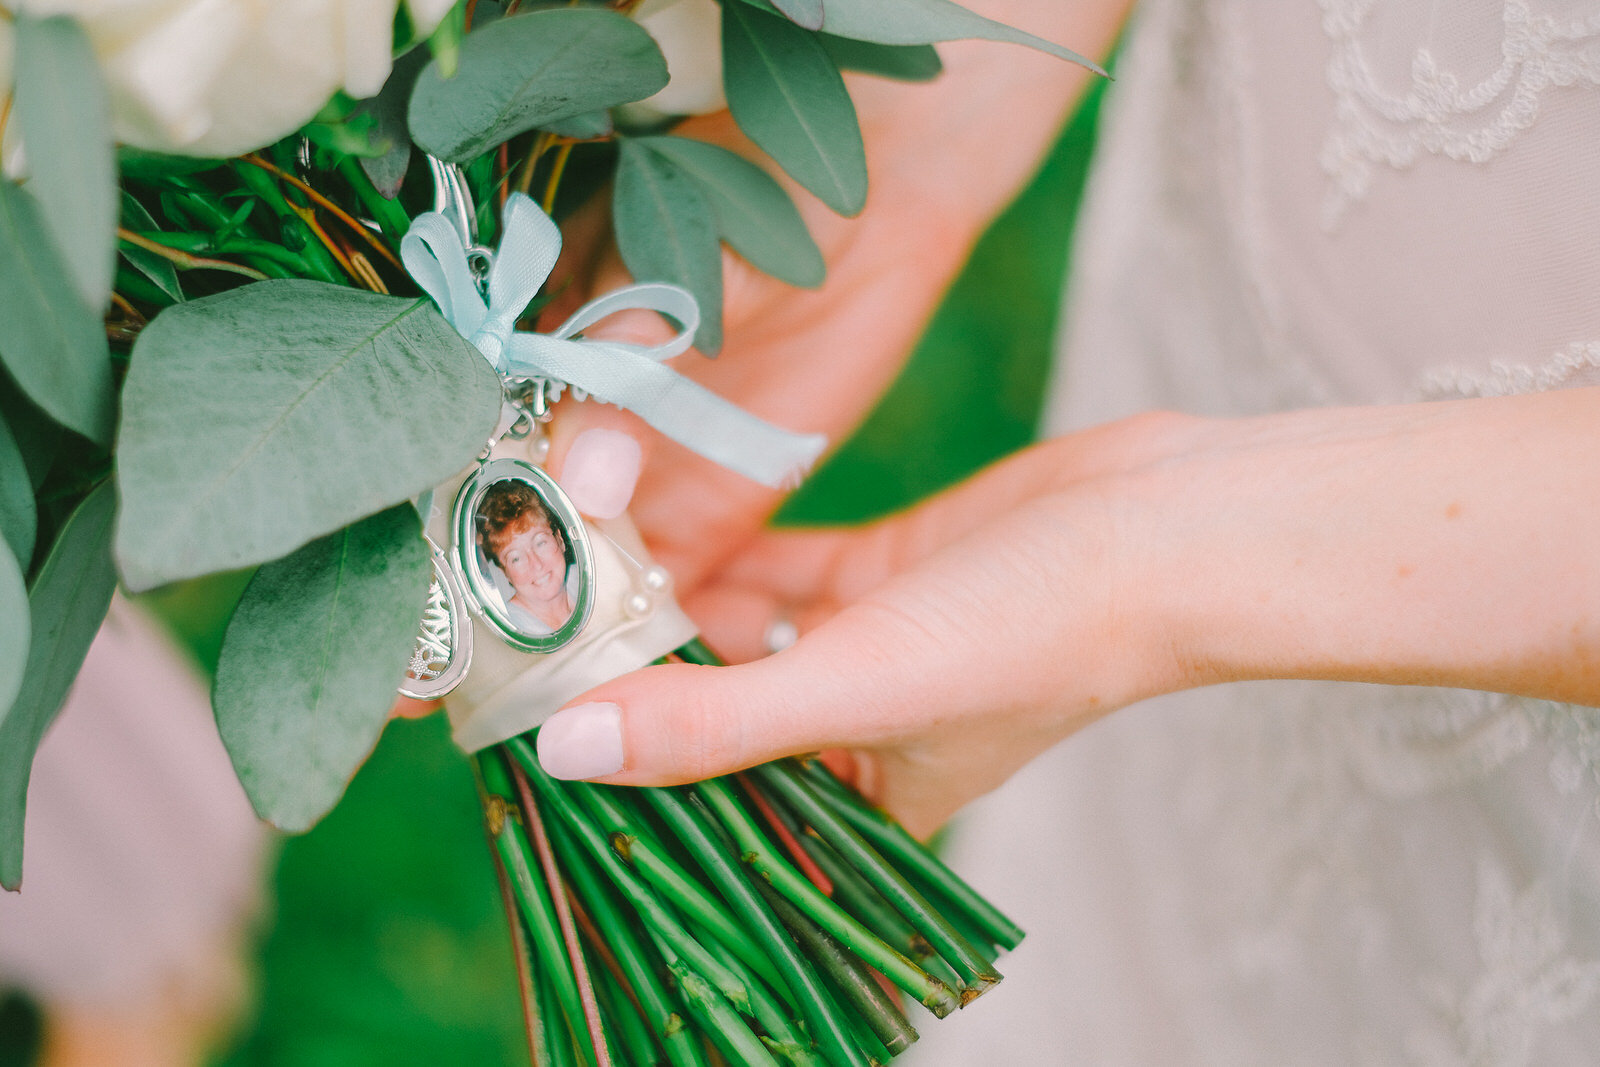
x,y
1306,202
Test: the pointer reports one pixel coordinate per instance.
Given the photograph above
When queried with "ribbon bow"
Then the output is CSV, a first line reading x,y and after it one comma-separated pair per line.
x,y
630,376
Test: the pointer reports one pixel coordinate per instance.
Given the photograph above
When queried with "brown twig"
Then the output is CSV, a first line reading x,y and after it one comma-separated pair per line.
x,y
541,144
519,948
133,315
185,259
309,217
555,176
780,829
558,896
329,206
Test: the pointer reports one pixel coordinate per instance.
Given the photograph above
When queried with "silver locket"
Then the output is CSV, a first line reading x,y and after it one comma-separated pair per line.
x,y
522,555
443,650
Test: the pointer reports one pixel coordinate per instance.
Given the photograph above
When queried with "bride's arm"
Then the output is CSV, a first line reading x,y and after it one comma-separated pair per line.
x,y
1439,544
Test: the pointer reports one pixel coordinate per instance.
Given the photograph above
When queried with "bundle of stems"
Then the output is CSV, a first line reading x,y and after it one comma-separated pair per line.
x,y
763,918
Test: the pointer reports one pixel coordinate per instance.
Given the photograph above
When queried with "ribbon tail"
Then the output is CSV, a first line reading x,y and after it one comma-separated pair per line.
x,y
679,408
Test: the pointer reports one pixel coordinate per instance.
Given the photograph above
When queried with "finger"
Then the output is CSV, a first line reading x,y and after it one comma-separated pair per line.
x,y
846,685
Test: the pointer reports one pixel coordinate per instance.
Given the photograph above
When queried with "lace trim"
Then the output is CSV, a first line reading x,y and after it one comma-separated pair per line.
x,y
1436,114
1576,365
1529,981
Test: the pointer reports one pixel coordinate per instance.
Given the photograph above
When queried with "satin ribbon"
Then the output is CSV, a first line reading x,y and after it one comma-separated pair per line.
x,y
630,376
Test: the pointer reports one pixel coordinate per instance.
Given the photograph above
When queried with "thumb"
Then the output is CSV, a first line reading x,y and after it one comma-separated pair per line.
x,y
837,687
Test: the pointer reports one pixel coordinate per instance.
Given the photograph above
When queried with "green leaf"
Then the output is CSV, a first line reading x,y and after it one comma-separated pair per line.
x,y
159,271
53,345
754,214
15,624
258,419
68,600
589,127
388,110
19,519
65,118
667,233
787,96
902,62
807,13
928,22
311,661
530,70
37,437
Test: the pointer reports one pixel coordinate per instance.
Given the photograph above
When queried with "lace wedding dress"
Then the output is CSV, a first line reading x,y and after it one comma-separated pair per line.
x,y
1297,204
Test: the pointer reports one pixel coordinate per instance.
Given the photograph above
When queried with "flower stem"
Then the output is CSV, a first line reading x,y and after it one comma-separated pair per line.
x,y
892,839
635,844
693,826
537,909
619,934
850,977
657,917
760,855
783,779
534,824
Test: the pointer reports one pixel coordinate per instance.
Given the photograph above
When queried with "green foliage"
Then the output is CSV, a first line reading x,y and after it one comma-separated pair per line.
x,y
807,13
930,21
160,271
787,96
666,232
387,170
51,342
902,62
260,418
65,118
311,660
524,72
754,214
19,517
14,623
66,604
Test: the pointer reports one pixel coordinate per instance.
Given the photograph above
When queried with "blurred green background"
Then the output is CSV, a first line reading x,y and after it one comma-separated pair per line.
x,y
385,943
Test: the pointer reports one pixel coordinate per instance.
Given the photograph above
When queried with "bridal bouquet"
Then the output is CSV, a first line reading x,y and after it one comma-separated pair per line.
x,y
270,282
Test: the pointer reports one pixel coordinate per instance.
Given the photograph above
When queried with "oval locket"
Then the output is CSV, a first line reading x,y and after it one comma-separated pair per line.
x,y
522,555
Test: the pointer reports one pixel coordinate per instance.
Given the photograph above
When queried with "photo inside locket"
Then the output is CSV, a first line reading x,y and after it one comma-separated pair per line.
x,y
525,558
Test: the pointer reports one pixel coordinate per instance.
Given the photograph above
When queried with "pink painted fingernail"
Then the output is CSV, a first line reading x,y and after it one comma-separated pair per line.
x,y
601,470
583,741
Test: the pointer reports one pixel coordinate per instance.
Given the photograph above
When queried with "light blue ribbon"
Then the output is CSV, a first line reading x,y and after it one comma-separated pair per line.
x,y
630,376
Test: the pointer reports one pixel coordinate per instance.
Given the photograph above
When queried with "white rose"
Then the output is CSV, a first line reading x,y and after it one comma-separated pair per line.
x,y
222,77
690,35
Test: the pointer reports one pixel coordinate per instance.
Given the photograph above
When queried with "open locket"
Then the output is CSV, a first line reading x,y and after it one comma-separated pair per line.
x,y
522,555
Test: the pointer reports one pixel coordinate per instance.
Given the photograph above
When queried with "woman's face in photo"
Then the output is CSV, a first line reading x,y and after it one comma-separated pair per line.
x,y
534,563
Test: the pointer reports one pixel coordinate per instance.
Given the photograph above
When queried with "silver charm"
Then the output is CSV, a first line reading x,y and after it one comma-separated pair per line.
x,y
522,555
443,650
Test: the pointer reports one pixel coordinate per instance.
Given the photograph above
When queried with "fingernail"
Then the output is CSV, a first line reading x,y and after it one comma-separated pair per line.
x,y
600,472
583,741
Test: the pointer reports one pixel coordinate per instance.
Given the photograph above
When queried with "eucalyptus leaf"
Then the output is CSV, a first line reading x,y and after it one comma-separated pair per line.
x,y
594,125
902,62
260,418
38,438
160,271
530,70
388,110
15,624
667,233
66,605
929,22
19,518
754,214
311,660
807,13
65,118
53,345
787,96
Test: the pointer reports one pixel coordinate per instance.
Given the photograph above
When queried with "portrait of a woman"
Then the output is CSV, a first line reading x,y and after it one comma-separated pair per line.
x,y
520,536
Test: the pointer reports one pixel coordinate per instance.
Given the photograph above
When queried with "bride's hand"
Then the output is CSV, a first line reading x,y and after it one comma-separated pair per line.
x,y
943,647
